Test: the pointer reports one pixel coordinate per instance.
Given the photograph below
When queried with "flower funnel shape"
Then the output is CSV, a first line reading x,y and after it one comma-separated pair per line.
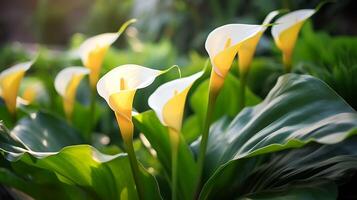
x,y
93,50
286,31
224,42
118,88
248,46
169,99
32,90
10,80
66,84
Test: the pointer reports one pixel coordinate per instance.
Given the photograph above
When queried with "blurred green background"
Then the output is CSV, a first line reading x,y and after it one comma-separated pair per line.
x,y
185,23
170,32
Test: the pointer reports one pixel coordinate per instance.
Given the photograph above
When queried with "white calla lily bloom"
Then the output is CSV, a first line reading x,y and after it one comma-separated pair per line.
x,y
168,102
287,29
118,88
93,50
169,99
125,78
224,42
96,42
66,84
10,80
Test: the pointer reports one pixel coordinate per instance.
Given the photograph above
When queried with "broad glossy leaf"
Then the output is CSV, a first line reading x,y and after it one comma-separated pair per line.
x,y
44,141
42,132
279,171
227,103
40,187
300,109
36,182
322,191
105,176
158,137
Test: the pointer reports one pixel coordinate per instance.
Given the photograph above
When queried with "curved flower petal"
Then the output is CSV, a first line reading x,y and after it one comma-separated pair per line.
x,y
286,31
168,100
247,49
118,88
31,90
10,82
94,45
225,42
222,45
93,50
125,78
66,83
270,17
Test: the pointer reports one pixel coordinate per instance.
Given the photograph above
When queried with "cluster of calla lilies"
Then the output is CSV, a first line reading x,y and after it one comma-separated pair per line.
x,y
119,85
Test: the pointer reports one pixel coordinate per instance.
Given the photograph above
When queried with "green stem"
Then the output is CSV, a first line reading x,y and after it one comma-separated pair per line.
x,y
287,68
134,168
204,140
92,116
243,82
175,141
287,62
14,117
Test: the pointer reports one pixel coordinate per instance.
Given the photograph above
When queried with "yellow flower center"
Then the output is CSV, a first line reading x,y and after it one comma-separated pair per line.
x,y
30,94
122,103
70,94
287,39
246,52
174,108
10,86
221,65
94,63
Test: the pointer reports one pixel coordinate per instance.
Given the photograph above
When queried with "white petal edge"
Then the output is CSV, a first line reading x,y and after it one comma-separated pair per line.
x,y
18,67
270,17
135,77
65,76
217,39
98,41
165,92
290,19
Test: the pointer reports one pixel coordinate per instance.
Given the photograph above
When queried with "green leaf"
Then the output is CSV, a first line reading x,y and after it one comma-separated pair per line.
x,y
227,103
332,59
39,186
326,191
107,176
263,75
158,137
42,132
285,169
44,143
300,109
10,179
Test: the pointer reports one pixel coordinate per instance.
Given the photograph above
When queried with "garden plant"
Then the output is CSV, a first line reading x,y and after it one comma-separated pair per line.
x,y
206,131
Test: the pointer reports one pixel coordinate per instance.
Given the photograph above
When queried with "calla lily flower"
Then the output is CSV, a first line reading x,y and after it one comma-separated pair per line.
x,y
29,94
225,42
93,50
247,48
118,88
168,102
32,90
286,31
10,82
66,84
169,99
